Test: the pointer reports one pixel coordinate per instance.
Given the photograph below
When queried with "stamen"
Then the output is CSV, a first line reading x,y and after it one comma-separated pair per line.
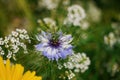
x,y
54,43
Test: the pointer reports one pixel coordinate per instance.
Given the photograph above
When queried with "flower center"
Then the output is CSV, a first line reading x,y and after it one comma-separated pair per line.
x,y
54,43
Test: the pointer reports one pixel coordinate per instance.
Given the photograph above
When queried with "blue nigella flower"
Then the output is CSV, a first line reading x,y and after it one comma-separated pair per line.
x,y
54,46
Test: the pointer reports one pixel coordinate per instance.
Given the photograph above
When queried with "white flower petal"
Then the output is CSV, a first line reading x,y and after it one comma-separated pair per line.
x,y
66,38
66,46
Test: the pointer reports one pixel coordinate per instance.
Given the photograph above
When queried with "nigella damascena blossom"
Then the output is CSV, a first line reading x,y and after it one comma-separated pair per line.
x,y
54,46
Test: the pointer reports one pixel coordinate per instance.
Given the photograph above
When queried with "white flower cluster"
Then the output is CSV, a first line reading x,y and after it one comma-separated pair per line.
x,y
49,4
113,37
12,43
110,39
76,63
79,62
75,15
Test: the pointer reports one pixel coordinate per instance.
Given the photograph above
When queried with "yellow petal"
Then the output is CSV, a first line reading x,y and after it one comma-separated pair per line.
x,y
2,70
15,72
8,70
28,75
18,72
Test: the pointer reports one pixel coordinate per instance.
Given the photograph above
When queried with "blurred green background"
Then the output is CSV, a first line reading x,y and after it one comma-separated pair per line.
x,y
104,59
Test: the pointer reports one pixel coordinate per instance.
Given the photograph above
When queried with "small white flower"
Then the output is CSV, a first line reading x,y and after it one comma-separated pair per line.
x,y
1,41
60,66
9,54
6,46
23,46
15,48
12,39
21,36
6,40
71,75
14,33
69,65
27,37
1,51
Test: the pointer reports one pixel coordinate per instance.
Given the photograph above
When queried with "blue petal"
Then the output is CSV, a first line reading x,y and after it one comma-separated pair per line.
x,y
56,57
44,53
65,53
39,46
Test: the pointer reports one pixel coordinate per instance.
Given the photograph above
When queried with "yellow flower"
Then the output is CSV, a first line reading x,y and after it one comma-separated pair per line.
x,y
15,72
